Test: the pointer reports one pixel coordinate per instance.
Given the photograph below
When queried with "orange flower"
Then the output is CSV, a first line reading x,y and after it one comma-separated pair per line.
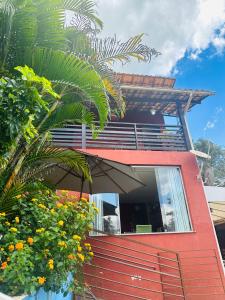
x,y
30,241
19,246
71,256
11,248
41,280
83,199
4,265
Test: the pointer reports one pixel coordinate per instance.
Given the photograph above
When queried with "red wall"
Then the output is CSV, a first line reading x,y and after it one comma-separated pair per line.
x,y
199,243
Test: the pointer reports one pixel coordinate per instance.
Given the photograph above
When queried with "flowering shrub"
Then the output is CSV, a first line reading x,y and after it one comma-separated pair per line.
x,y
42,240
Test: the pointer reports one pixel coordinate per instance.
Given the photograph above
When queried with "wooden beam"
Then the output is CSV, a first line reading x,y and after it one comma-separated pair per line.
x,y
184,126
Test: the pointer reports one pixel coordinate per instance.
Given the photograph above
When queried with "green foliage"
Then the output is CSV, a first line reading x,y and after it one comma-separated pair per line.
x,y
42,241
20,106
216,164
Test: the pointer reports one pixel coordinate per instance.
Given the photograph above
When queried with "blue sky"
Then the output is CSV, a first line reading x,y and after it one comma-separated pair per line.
x,y
191,37
207,72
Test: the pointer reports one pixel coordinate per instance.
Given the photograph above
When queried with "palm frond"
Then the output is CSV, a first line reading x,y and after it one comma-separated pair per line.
x,y
68,113
111,50
84,8
47,157
7,10
71,72
51,20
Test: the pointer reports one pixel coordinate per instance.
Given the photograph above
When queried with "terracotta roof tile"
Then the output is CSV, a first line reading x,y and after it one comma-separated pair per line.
x,y
145,80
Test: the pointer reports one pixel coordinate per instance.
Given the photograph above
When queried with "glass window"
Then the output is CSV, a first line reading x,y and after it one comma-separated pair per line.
x,y
108,218
158,206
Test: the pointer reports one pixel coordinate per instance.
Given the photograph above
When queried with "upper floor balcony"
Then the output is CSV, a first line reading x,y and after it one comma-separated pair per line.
x,y
124,135
154,118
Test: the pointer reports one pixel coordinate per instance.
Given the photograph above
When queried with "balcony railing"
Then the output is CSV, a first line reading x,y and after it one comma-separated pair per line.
x,y
117,135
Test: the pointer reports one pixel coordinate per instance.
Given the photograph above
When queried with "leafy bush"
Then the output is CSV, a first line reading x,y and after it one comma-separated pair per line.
x,y
42,240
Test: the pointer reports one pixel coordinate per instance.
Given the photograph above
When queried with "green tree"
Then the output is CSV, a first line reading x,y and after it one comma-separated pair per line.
x,y
78,65
213,169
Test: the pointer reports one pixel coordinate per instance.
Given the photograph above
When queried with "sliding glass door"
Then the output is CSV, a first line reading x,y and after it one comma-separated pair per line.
x,y
172,199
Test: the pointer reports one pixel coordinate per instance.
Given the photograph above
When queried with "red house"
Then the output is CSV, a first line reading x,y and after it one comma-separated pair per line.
x,y
153,237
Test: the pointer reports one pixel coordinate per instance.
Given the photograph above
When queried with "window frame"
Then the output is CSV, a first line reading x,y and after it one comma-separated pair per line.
x,y
185,199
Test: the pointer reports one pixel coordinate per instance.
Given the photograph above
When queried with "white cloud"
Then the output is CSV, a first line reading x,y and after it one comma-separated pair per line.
x,y
173,27
215,118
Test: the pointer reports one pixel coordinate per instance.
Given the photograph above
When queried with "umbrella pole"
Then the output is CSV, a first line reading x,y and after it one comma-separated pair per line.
x,y
82,186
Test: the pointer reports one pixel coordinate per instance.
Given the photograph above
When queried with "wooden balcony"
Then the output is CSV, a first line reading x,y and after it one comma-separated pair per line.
x,y
118,135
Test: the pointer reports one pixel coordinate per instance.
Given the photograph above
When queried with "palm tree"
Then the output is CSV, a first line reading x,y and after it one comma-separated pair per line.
x,y
78,64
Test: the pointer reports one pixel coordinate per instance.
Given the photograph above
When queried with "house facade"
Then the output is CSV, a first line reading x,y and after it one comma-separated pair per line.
x,y
153,237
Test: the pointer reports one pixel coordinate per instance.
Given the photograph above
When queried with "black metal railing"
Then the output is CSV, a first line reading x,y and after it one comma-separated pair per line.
x,y
118,135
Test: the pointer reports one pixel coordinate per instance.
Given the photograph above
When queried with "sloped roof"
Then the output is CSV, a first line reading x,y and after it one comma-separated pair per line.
x,y
144,92
145,80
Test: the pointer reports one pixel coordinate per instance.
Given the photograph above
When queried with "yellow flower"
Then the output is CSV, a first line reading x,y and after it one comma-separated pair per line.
x,y
46,251
17,219
81,256
19,246
8,259
11,248
52,211
87,245
4,265
41,280
59,205
42,206
30,241
2,249
63,233
51,264
76,237
7,223
82,216
18,196
13,229
65,206
40,230
79,248
33,200
2,214
60,223
62,244
91,253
